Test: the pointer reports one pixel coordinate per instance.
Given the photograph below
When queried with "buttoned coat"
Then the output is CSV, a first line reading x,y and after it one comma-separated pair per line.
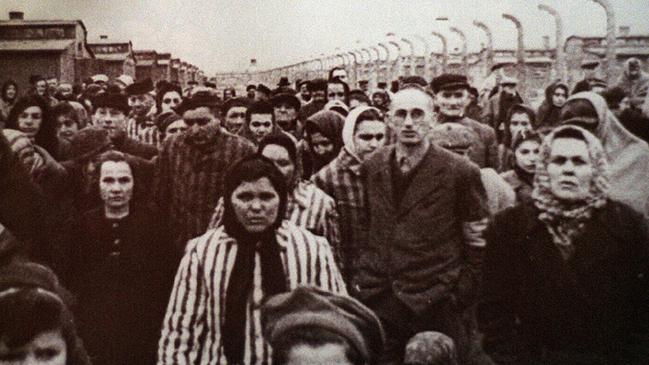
x,y
417,250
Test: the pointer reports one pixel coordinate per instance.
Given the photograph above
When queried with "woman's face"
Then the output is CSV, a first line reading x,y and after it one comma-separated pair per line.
x,y
256,204
66,127
30,120
176,127
170,101
281,159
47,348
519,122
11,92
116,184
570,169
526,155
559,97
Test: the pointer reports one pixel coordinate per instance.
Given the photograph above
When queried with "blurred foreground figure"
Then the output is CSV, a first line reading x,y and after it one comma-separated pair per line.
x,y
566,274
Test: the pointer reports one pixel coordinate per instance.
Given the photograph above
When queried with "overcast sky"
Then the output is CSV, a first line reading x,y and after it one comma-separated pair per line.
x,y
219,35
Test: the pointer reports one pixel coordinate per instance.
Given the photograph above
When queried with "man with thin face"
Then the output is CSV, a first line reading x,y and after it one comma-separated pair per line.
x,y
234,114
285,108
451,98
420,268
495,113
191,168
141,124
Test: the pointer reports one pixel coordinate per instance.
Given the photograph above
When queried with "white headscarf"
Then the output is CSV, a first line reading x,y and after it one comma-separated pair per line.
x,y
350,127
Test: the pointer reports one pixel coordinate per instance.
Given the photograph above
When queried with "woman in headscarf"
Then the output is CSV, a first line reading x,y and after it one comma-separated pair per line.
x,y
519,118
364,131
566,273
323,140
548,113
8,97
525,153
307,206
628,155
213,315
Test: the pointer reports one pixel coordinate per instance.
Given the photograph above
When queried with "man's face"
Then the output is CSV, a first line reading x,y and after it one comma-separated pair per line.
x,y
285,115
111,119
141,104
46,348
519,122
335,92
320,144
116,184
369,136
235,118
570,169
331,353
177,127
559,97
261,125
41,87
341,74
282,160
202,126
30,121
53,83
411,112
305,93
65,90
255,204
451,103
320,96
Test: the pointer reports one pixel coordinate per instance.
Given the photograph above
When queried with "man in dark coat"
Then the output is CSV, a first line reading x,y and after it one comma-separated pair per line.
x,y
318,90
496,110
427,210
191,168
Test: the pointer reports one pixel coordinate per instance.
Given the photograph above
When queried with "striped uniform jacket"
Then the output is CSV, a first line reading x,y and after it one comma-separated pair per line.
x,y
342,180
189,182
145,132
307,207
196,309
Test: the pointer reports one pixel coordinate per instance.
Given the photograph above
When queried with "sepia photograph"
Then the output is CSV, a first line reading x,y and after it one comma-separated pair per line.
x,y
324,182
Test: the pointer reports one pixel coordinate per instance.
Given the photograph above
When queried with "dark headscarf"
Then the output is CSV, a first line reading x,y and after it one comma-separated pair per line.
x,y
330,124
233,332
548,115
516,109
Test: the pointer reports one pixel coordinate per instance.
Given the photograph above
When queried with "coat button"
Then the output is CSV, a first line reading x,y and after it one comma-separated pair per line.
x,y
117,242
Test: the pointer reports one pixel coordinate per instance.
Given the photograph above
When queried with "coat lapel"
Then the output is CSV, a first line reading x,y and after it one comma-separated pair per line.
x,y
381,177
424,181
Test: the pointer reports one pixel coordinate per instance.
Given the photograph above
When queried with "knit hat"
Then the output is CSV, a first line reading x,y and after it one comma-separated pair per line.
x,y
112,100
89,142
311,307
263,88
143,87
452,136
449,81
430,348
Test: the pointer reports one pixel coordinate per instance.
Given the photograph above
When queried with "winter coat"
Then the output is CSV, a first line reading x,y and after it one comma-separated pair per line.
x,y
494,115
122,272
416,251
189,182
539,307
484,151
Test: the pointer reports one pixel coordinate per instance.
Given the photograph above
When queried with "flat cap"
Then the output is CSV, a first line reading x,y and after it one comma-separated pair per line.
x,y
112,100
312,307
449,81
284,97
141,87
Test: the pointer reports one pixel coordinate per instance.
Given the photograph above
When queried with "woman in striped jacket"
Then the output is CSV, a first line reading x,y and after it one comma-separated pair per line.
x,y
307,206
213,316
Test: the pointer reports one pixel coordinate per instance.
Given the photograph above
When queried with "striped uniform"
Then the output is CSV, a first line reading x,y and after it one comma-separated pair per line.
x,y
341,179
307,207
196,310
189,182
145,132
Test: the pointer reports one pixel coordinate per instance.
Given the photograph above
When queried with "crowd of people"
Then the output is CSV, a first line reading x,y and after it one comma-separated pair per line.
x,y
324,224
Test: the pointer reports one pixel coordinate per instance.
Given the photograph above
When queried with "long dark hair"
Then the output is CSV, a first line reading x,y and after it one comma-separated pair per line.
x,y
5,87
46,136
248,169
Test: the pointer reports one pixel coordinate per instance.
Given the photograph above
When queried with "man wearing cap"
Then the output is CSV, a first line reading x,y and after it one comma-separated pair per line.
x,y
590,68
451,98
262,93
634,81
496,110
286,107
318,90
141,124
110,114
191,168
250,91
315,327
421,266
304,95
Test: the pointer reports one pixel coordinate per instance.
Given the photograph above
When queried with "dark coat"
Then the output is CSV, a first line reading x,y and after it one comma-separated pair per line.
x,y
122,279
416,250
592,306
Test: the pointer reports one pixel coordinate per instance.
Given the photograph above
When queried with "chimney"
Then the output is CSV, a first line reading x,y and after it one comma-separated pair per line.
x,y
16,15
546,42
103,36
624,31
